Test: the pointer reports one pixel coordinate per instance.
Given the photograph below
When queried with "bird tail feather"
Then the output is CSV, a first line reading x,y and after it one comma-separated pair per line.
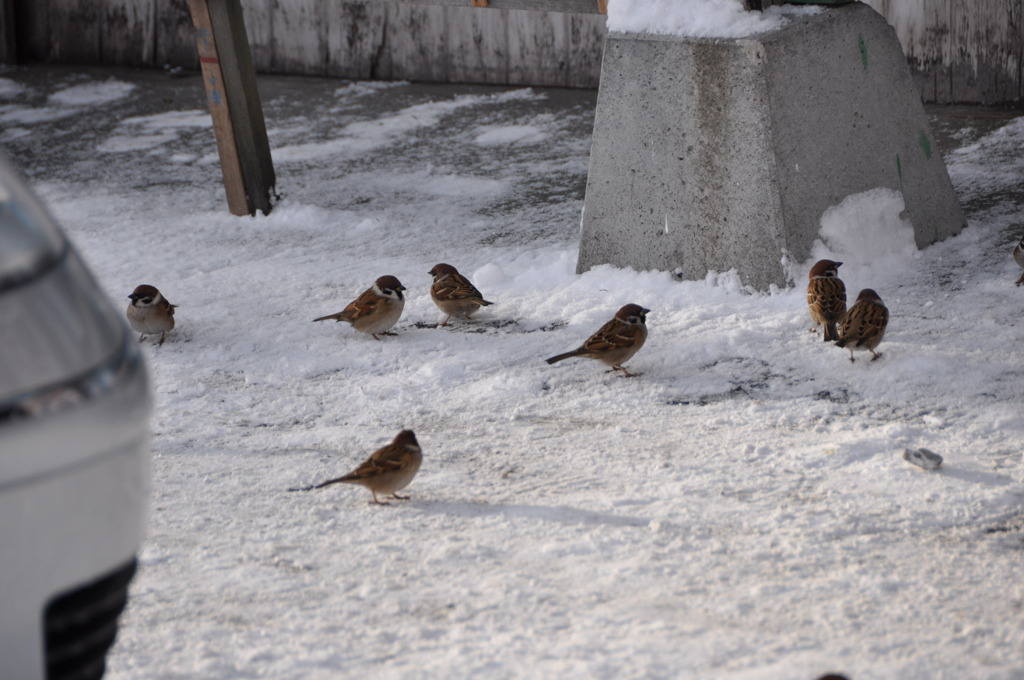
x,y
331,481
567,355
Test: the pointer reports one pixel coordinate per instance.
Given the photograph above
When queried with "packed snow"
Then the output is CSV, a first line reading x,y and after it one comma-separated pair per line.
x,y
742,510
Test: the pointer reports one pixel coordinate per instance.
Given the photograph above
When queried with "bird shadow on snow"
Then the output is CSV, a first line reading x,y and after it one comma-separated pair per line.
x,y
560,514
975,476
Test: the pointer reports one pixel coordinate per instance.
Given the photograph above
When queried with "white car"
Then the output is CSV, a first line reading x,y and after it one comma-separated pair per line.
x,y
75,407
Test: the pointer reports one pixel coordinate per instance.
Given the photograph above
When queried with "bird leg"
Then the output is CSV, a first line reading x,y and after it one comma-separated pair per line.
x,y
875,355
625,373
401,498
375,501
161,339
1020,281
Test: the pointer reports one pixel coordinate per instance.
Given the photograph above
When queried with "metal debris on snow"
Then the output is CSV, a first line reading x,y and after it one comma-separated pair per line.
x,y
929,460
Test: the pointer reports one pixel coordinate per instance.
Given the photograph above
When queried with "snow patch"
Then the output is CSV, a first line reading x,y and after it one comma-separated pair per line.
x,y
11,88
459,185
91,94
139,133
25,115
367,135
509,134
989,163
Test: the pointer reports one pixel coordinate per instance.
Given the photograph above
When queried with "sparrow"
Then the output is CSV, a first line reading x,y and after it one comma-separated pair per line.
x,y
376,310
864,325
616,341
454,294
826,297
1018,255
387,470
149,312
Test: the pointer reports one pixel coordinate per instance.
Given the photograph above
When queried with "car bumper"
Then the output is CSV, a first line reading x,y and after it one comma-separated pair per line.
x,y
66,525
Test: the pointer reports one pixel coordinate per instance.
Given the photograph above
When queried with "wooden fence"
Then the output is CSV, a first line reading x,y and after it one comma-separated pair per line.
x,y
960,50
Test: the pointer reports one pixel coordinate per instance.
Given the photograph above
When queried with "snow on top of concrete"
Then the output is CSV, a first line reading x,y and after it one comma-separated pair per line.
x,y
696,18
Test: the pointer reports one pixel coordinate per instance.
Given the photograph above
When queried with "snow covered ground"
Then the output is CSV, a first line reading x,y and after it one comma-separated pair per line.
x,y
739,511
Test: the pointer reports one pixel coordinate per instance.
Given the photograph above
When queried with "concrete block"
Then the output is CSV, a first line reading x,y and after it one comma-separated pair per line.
x,y
719,154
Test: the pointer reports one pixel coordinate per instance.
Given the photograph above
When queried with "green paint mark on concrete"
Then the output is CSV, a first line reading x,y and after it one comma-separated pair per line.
x,y
863,46
925,144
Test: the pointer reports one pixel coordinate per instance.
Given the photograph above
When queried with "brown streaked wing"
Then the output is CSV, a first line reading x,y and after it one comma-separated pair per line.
x,y
365,304
612,335
828,296
456,287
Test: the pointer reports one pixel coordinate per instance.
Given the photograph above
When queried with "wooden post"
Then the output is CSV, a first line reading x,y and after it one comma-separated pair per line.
x,y
234,102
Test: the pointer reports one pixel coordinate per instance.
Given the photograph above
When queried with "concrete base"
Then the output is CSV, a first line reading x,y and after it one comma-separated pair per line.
x,y
711,155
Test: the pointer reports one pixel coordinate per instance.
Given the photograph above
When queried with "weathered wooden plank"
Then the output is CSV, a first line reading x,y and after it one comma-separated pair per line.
x,y
175,35
32,31
538,48
422,33
128,32
961,51
478,47
260,27
299,40
8,40
355,37
569,6
992,32
73,30
586,43
922,29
